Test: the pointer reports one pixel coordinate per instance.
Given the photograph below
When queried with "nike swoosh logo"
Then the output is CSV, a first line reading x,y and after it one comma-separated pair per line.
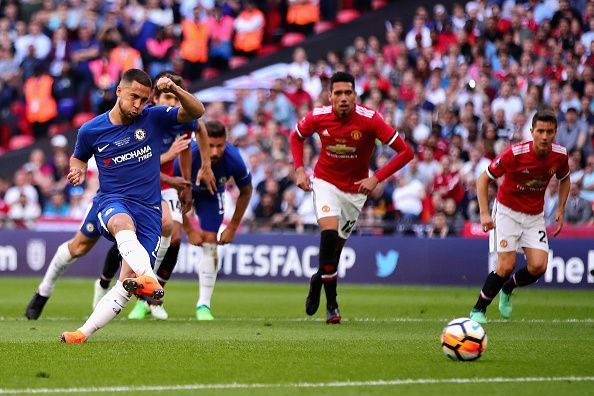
x,y
100,149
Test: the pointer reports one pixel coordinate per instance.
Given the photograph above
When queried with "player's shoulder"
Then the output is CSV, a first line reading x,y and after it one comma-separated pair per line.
x,y
364,111
232,152
94,124
559,150
321,111
522,148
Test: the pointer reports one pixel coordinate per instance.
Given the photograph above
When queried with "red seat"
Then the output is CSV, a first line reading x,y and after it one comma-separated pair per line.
x,y
267,49
375,4
346,16
81,118
291,39
238,61
209,73
58,129
20,141
323,26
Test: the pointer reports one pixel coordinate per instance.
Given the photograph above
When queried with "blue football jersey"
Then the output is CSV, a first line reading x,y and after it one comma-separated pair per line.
x,y
231,165
127,156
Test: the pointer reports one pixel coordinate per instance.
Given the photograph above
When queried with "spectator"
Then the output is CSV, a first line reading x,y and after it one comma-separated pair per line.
x,y
572,132
40,42
24,211
220,31
509,103
56,206
578,211
408,198
302,15
41,105
194,45
249,30
439,227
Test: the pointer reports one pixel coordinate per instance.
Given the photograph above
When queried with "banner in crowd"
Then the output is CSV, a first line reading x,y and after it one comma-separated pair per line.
x,y
294,258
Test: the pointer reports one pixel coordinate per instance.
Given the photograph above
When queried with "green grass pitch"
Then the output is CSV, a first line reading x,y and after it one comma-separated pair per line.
x,y
262,343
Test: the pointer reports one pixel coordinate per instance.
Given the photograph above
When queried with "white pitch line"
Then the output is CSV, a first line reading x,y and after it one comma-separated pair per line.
x,y
271,319
296,385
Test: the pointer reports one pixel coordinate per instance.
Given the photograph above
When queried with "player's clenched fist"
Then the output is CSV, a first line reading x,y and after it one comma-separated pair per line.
x,y
164,84
487,222
302,180
76,176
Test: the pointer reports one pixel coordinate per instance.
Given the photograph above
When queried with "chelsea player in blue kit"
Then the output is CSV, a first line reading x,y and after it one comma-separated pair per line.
x,y
126,143
226,163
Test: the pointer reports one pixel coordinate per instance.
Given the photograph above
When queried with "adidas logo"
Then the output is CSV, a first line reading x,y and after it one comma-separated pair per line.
x,y
325,133
525,171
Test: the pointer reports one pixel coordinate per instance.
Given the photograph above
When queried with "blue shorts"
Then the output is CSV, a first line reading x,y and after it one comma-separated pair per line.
x,y
210,210
88,227
147,220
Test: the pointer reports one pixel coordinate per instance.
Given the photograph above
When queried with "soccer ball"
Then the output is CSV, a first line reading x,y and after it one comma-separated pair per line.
x,y
463,339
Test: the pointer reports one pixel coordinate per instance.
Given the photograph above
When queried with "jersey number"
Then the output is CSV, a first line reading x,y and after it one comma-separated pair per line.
x,y
221,198
348,226
175,205
543,236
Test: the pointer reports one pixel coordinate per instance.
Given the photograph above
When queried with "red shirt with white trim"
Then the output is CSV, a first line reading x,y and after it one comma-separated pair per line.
x,y
527,175
167,167
347,143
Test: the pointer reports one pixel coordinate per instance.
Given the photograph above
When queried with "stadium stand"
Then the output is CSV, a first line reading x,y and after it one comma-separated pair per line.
x,y
461,83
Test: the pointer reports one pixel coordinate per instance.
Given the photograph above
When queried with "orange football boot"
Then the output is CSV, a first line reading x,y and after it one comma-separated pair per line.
x,y
144,285
73,337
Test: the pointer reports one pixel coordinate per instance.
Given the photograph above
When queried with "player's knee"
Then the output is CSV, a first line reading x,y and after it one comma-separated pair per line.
x,y
166,226
505,267
538,268
79,248
175,240
175,234
120,222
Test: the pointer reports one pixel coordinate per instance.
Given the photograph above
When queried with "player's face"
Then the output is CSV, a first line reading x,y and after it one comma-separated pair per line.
x,y
167,99
132,98
543,135
217,148
342,98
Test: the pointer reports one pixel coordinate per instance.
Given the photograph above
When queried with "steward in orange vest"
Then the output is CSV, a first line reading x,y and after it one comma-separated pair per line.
x,y
249,29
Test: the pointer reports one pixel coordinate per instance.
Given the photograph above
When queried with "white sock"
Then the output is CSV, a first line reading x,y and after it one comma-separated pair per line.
x,y
61,260
207,273
134,253
163,246
107,308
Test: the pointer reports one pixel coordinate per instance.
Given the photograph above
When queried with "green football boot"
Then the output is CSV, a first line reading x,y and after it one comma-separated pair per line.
x,y
478,316
140,311
203,313
505,304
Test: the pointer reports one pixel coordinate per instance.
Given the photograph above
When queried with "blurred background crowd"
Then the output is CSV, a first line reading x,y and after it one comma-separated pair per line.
x,y
460,83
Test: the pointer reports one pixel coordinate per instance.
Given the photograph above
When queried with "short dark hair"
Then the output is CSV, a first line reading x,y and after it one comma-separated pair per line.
x,y
216,129
173,76
342,77
546,115
137,75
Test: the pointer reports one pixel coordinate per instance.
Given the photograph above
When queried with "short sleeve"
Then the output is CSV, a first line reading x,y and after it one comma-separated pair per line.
x,y
164,116
563,170
240,172
305,127
83,149
186,128
383,131
500,165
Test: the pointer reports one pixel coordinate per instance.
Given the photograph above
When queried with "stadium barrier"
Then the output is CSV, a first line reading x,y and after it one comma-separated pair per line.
x,y
291,258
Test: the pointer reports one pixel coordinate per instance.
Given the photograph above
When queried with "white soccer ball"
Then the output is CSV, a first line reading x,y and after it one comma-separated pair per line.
x,y
463,339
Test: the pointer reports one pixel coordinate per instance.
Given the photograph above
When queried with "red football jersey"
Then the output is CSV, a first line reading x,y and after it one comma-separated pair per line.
x,y
347,143
527,175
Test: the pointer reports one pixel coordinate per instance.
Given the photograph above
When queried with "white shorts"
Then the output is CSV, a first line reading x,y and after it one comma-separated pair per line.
x,y
516,230
330,201
172,199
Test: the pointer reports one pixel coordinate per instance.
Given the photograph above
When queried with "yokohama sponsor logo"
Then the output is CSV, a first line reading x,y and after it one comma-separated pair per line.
x,y
141,154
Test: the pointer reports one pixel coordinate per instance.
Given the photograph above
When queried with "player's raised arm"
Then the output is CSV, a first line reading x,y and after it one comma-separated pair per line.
x,y
191,108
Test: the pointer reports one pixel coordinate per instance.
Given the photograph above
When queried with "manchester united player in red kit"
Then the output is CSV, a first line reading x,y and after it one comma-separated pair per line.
x,y
341,181
518,211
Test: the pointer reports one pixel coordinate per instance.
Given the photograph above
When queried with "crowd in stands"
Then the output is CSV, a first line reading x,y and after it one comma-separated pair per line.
x,y
460,85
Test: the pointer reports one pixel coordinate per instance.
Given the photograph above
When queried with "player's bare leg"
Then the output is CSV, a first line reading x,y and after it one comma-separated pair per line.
x,y
505,265
66,254
207,275
537,260
107,309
